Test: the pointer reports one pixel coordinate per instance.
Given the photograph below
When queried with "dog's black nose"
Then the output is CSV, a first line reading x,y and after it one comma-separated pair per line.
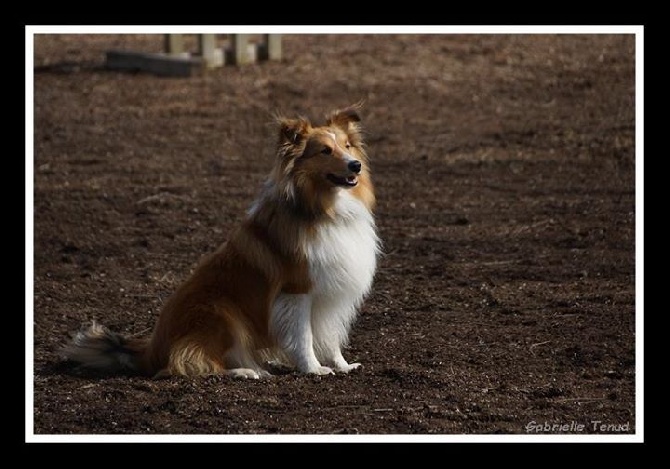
x,y
354,166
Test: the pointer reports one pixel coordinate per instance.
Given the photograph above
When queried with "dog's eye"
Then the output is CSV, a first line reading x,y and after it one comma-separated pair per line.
x,y
347,145
327,150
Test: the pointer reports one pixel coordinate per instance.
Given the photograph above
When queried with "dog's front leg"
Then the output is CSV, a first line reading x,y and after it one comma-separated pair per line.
x,y
291,325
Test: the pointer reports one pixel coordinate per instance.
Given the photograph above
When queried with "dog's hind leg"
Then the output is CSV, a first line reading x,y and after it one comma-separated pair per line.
x,y
240,363
192,359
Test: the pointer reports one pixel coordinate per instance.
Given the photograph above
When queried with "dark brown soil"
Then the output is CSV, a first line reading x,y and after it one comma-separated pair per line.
x,y
505,300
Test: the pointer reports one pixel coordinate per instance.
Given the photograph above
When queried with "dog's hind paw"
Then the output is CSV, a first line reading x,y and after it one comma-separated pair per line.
x,y
243,373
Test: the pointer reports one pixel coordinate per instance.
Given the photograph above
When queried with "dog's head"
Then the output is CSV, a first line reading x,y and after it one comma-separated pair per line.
x,y
316,161
327,156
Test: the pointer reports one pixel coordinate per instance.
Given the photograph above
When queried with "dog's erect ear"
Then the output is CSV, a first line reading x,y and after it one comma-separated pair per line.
x,y
343,117
349,120
292,131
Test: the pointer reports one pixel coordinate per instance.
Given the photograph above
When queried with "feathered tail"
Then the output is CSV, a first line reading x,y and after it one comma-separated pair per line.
x,y
100,349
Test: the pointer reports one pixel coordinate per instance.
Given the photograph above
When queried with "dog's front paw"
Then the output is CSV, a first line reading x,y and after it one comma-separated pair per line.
x,y
318,370
347,367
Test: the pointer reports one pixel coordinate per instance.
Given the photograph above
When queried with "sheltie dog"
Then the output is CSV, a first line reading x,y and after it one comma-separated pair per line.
x,y
286,286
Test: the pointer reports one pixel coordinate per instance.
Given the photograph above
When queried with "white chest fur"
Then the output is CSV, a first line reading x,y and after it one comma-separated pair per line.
x,y
342,254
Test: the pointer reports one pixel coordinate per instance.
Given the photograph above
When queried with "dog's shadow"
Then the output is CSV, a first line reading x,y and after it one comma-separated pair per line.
x,y
72,369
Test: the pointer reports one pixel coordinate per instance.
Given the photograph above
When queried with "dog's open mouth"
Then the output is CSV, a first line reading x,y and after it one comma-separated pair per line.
x,y
347,181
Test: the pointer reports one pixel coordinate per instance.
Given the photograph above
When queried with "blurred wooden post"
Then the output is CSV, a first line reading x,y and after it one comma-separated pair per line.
x,y
241,49
274,46
174,43
208,52
270,48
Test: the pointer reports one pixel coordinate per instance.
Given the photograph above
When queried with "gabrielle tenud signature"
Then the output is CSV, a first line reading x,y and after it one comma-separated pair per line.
x,y
592,426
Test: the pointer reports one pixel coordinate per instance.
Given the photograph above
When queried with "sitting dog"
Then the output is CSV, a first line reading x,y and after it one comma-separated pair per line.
x,y
288,283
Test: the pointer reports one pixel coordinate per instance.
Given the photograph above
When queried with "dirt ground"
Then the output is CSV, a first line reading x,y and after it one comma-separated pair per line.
x,y
505,299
